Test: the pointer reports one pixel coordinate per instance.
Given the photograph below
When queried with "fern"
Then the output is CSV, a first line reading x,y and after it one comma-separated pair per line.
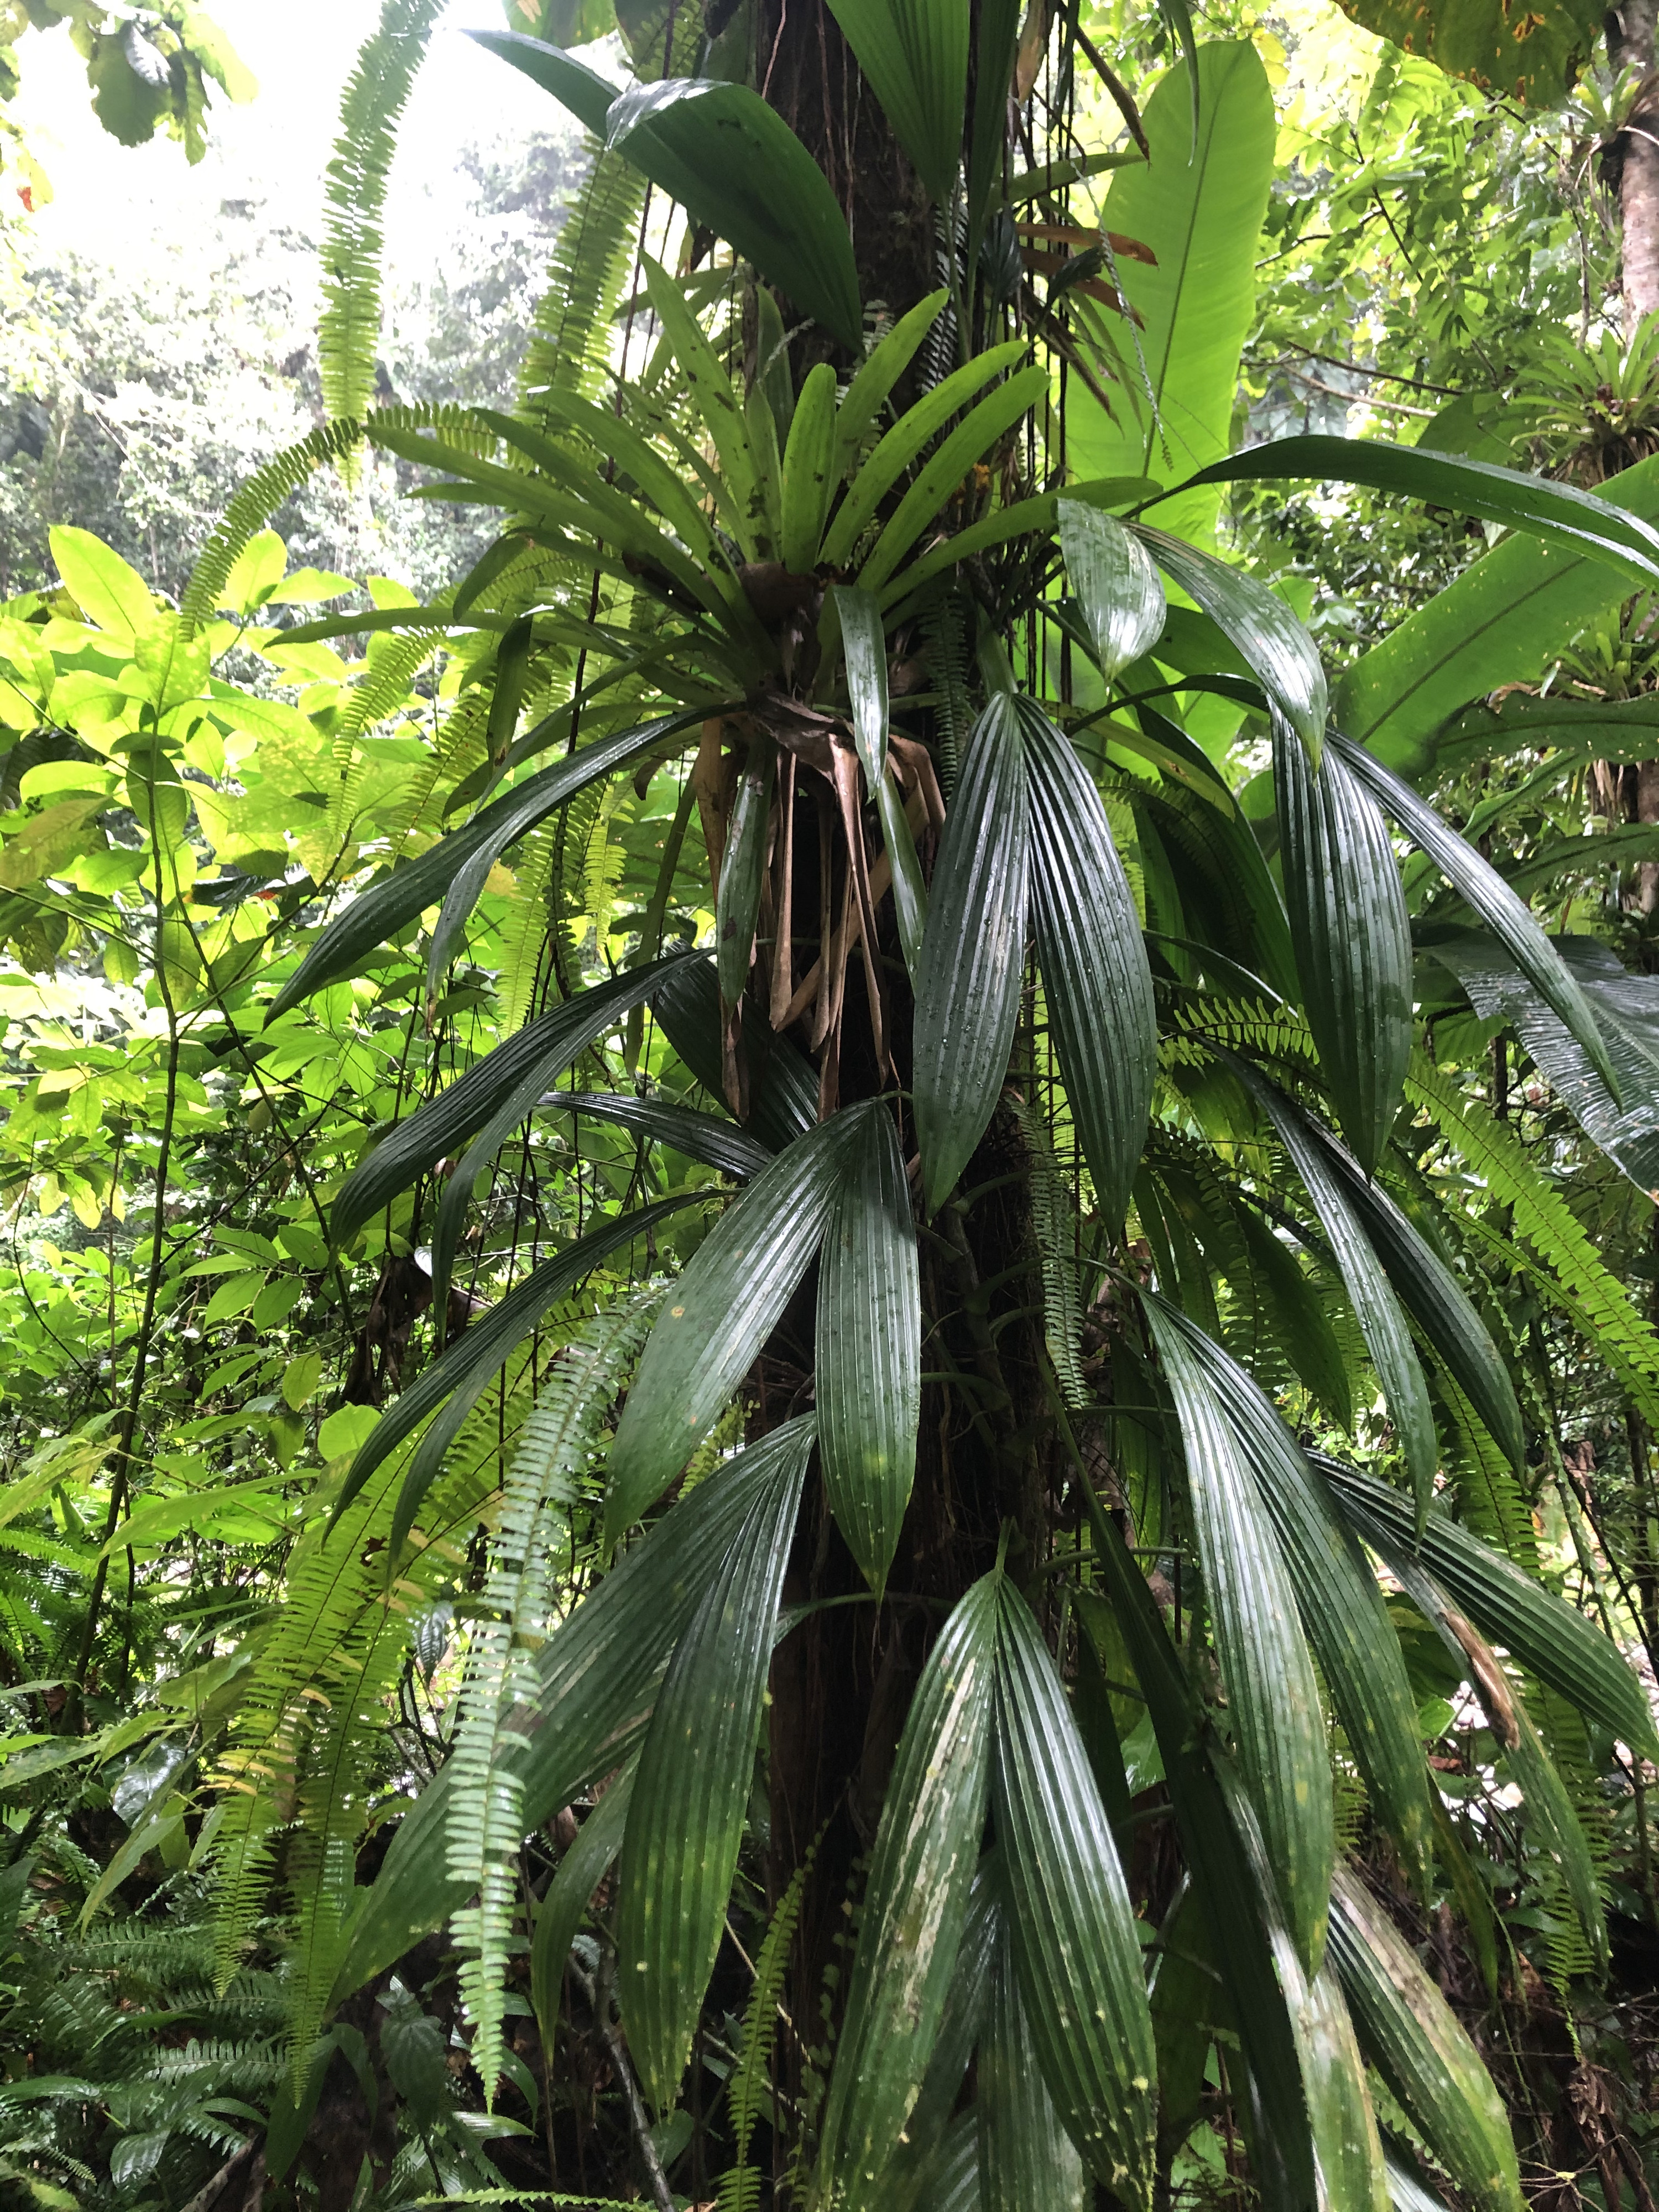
x,y
1053,1225
739,2189
569,350
486,1825
523,931
375,95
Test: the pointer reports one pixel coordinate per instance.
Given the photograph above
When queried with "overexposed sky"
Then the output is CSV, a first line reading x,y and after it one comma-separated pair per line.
x,y
110,200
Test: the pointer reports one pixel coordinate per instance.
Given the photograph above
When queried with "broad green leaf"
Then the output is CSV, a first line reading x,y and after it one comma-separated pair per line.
x,y
973,955
1558,512
952,2180
1509,918
866,395
686,1818
905,2177
783,1088
1418,2045
730,161
559,1916
1341,1606
1541,1632
109,592
1114,583
1095,972
1071,1926
868,1360
722,1311
914,53
492,1098
1277,649
921,1875
468,1365
1021,519
808,461
743,866
1536,57
1353,2176
995,47
703,1137
1187,2007
1198,209
381,911
598,1675
1352,939
876,476
1272,1695
945,468
1027,2161
760,419
1382,1321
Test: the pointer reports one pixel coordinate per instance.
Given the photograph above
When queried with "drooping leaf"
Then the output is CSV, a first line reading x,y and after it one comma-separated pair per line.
x,y
1114,583
1534,58
685,1822
972,959
1272,1695
1071,1930
869,1350
1418,2045
783,1091
599,1675
914,53
559,1916
1352,939
1541,1630
1094,963
1509,918
1557,512
457,1380
703,1137
905,2178
921,1876
730,161
996,45
1028,2163
1341,1606
743,865
722,1311
410,889
496,1093
1277,649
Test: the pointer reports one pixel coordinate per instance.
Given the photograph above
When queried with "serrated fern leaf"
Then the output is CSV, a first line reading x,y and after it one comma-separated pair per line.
x,y
739,2190
570,350
375,95
1053,1226
485,1827
523,930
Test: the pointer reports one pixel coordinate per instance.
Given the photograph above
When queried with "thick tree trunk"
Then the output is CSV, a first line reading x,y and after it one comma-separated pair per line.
x,y
1631,44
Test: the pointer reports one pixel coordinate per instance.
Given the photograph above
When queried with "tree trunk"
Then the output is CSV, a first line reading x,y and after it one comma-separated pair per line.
x,y
1631,45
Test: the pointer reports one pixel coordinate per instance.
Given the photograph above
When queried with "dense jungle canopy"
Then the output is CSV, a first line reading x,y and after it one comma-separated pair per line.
x,y
829,1051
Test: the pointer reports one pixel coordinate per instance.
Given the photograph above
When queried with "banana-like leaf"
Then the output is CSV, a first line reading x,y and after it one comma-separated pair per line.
x,y
866,395
973,955
470,1363
1071,1926
783,1091
702,1137
1342,1607
1272,1695
1115,582
1279,651
914,428
869,1350
945,468
914,52
1382,1321
908,2171
1541,1630
1509,918
915,1907
1559,512
598,1678
1093,959
730,161
559,1916
722,1311
1027,2161
383,909
1352,939
492,1098
808,462
685,1824
742,868
1418,2046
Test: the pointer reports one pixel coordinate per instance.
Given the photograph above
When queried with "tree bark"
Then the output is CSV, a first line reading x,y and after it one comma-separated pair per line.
x,y
1631,44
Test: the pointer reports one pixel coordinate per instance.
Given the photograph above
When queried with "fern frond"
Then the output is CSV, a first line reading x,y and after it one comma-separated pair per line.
x,y
486,1827
251,508
1053,1226
375,95
739,2190
523,931
569,350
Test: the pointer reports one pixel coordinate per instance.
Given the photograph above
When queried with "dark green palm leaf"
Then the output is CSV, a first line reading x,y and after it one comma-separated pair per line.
x,y
1114,582
1027,2161
702,1137
559,1916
